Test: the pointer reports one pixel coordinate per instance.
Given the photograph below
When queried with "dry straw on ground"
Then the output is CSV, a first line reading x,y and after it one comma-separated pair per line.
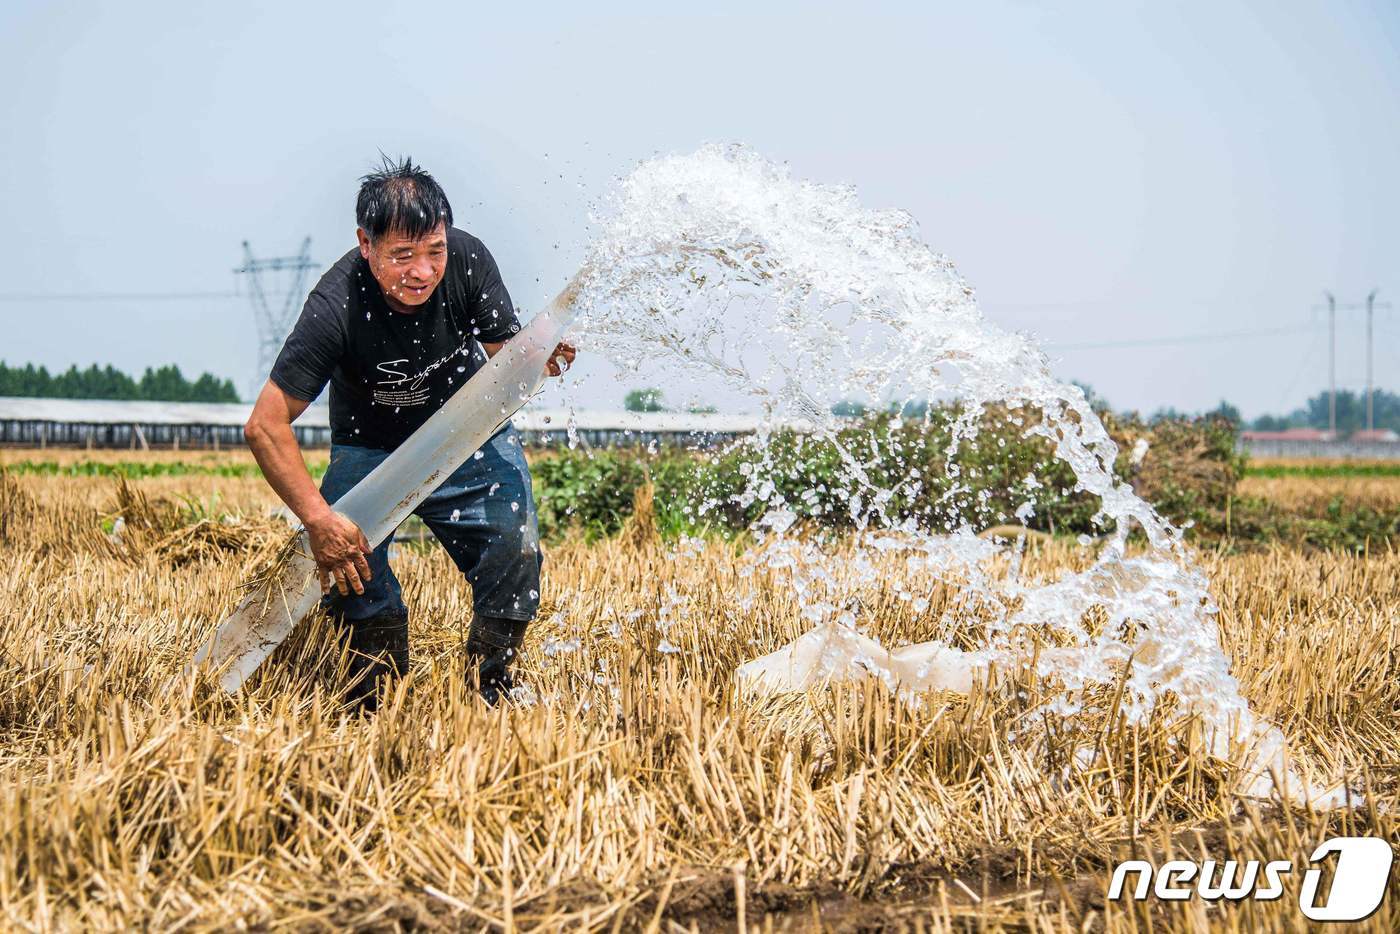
x,y
1308,487
639,793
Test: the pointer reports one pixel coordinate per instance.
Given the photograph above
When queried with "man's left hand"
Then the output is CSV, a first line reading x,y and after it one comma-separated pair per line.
x,y
561,359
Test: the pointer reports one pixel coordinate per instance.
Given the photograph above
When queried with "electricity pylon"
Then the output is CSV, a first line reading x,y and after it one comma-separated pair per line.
x,y
274,324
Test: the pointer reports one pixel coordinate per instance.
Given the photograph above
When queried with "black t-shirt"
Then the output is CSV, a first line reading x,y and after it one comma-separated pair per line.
x,y
388,370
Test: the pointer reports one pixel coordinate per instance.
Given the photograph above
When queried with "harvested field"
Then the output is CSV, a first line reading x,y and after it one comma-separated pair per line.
x,y
1311,496
9,456
640,792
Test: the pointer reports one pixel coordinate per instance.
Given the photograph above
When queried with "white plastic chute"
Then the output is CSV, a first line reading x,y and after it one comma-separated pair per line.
x,y
383,499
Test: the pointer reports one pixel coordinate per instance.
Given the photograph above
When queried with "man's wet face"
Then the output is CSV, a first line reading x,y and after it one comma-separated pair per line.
x,y
406,269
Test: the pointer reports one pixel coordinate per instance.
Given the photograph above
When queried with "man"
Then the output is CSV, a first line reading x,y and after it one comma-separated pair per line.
x,y
396,326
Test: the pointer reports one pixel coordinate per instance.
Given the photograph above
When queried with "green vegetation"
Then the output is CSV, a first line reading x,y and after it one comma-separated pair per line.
x,y
1190,473
1351,469
595,492
1353,528
163,384
1190,476
137,470
643,400
1351,413
650,400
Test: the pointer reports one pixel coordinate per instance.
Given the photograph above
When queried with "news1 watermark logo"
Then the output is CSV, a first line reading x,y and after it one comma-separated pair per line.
x,y
1358,882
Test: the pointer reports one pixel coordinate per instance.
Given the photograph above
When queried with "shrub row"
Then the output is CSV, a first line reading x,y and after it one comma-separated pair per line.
x,y
1189,473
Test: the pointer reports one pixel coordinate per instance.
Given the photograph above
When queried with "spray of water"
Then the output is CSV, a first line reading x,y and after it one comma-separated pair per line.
x,y
721,265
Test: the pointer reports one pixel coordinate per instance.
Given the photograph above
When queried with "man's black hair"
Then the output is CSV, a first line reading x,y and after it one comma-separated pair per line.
x,y
403,198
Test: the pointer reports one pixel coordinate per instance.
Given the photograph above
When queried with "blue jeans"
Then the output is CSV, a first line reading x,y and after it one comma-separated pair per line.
x,y
483,514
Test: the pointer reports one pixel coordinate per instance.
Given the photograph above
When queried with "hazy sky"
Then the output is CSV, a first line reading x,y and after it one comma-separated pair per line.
x,y
1110,172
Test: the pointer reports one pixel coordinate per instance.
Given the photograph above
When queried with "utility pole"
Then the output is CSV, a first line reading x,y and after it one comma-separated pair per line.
x,y
1332,309
1331,363
1370,382
273,325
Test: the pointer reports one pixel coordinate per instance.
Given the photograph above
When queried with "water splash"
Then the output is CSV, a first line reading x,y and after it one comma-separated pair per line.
x,y
722,265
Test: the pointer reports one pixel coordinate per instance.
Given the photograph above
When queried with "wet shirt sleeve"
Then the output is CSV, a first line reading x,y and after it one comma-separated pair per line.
x,y
311,351
493,313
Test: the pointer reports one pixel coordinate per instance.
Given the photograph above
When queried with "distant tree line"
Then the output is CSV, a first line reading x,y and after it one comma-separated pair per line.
x,y
650,400
159,384
643,400
1351,412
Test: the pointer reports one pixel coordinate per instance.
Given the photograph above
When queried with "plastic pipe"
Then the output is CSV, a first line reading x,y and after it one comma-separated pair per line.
x,y
384,498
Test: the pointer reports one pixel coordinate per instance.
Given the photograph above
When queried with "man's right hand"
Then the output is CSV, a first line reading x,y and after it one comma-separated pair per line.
x,y
339,548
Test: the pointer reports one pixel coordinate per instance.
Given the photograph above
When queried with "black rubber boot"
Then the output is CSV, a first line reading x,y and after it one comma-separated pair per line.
x,y
378,653
491,647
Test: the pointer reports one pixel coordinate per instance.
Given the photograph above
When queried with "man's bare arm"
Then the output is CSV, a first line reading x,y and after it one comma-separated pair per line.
x,y
337,543
269,434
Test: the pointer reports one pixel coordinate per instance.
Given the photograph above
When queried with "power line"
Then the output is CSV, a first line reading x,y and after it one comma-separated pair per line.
x,y
111,296
1185,339
1308,356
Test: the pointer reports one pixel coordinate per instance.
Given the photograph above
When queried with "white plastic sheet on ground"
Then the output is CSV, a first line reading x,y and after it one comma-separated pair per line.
x,y
382,500
834,653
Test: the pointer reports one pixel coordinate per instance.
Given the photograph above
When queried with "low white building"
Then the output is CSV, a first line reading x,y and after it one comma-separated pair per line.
x,y
120,424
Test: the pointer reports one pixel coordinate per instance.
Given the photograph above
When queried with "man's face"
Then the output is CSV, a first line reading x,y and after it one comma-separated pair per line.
x,y
406,269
